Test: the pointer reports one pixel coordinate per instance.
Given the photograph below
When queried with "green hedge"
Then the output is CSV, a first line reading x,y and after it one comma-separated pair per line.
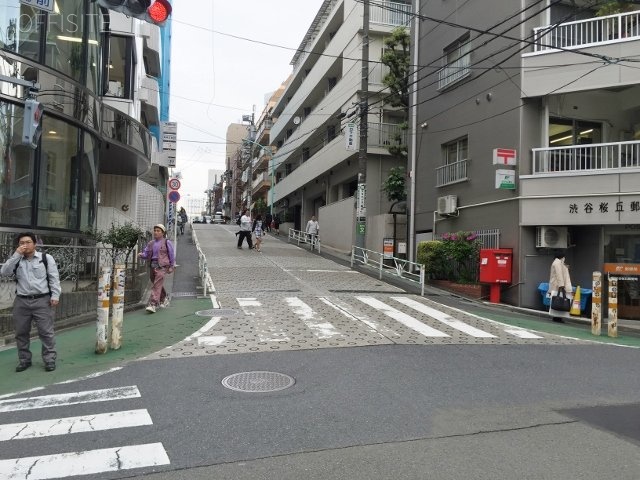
x,y
454,258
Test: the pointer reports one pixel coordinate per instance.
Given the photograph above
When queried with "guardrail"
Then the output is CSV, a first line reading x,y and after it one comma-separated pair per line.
x,y
203,269
395,266
303,237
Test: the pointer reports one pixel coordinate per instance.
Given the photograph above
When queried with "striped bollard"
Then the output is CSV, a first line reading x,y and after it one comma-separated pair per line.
x,y
596,304
102,322
612,325
118,307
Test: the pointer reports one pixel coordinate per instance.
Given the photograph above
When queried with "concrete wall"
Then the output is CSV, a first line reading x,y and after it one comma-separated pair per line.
x,y
337,224
380,227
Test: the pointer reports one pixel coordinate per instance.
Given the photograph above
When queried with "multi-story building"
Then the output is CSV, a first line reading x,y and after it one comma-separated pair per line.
x,y
233,184
97,73
314,166
557,86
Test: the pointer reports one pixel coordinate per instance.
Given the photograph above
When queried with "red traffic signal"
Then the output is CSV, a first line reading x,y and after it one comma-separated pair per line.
x,y
152,11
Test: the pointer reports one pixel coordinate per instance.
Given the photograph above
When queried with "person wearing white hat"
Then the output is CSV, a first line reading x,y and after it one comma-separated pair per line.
x,y
162,258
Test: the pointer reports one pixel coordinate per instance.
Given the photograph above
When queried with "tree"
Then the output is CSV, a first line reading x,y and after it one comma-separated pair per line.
x,y
611,8
396,57
394,186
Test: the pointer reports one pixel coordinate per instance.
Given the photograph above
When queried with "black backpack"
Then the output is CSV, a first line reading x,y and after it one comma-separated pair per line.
x,y
238,220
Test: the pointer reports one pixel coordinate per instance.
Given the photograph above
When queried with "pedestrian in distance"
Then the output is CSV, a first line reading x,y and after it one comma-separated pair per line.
x,y
162,258
312,229
245,229
559,279
258,231
37,294
276,224
268,218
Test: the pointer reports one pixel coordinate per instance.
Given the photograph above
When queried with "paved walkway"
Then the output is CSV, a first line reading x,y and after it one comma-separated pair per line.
x,y
285,298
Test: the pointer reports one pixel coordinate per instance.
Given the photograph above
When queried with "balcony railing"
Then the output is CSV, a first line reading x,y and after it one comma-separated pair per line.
x,y
580,158
125,130
451,173
454,72
587,32
390,13
385,135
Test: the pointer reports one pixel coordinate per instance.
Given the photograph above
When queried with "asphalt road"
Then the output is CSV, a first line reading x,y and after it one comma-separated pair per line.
x,y
407,407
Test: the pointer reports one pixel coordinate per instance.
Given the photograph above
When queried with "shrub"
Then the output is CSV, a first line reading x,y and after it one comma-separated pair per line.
x,y
454,257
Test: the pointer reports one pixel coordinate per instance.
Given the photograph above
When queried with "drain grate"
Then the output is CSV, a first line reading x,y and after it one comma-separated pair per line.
x,y
184,294
258,382
217,312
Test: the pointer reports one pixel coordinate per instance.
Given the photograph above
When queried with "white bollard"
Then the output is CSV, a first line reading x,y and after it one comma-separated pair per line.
x,y
102,323
118,307
596,303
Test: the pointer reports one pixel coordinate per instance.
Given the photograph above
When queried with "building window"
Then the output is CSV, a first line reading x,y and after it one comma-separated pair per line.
x,y
306,154
65,52
121,67
59,175
287,168
454,162
20,27
89,180
16,169
457,59
567,131
331,82
331,132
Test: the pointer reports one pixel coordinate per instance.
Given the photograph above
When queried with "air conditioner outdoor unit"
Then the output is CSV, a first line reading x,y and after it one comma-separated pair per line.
x,y
552,237
447,205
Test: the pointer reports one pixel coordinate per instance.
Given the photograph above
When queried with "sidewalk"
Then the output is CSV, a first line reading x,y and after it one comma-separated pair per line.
x,y
143,334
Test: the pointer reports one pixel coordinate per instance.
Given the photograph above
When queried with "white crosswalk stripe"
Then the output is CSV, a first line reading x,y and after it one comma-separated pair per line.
x,y
406,320
320,327
49,465
444,318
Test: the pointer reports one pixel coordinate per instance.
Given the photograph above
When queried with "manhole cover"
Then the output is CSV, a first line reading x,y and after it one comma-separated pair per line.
x,y
217,312
258,382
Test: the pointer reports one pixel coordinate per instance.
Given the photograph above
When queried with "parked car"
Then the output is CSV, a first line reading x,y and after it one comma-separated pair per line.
x,y
218,218
207,219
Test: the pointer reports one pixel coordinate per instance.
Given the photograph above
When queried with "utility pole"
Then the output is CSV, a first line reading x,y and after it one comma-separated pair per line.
x,y
361,198
247,152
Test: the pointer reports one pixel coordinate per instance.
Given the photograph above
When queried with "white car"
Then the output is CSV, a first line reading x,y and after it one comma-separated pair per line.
x,y
218,218
206,219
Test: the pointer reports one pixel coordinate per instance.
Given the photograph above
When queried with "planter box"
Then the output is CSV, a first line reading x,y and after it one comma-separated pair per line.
x,y
476,291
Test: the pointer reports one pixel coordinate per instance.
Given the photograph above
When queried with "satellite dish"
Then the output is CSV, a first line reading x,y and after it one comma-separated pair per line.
x,y
296,120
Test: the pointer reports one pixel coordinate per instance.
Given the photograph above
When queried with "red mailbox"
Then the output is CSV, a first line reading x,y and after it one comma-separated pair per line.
x,y
495,268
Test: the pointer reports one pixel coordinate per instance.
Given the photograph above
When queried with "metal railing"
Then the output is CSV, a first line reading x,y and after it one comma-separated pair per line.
x,y
591,31
305,238
398,267
451,173
385,12
385,135
203,269
454,71
576,158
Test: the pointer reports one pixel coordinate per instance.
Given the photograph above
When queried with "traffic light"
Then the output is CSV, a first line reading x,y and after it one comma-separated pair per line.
x,y
152,11
32,122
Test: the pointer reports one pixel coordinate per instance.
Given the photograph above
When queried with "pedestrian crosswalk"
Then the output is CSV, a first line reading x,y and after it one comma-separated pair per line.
x,y
268,322
49,465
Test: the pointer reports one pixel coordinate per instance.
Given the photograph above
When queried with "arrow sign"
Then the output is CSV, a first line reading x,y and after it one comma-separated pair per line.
x,y
174,196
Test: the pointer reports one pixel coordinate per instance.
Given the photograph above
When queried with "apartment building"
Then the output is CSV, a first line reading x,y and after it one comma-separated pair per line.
x,y
98,82
315,170
233,184
527,128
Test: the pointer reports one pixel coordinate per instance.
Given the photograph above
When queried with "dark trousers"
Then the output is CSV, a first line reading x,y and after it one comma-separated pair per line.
x,y
242,235
40,311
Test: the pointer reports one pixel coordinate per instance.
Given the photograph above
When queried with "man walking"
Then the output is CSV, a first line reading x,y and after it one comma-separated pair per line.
x,y
245,229
313,228
37,292
161,253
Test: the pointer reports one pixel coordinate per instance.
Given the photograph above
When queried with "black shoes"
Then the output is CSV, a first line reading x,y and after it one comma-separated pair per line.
x,y
22,366
50,366
558,319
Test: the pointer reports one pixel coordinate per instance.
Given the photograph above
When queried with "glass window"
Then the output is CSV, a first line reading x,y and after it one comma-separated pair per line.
x,y
94,25
89,174
20,27
58,177
568,131
120,68
16,168
64,51
455,151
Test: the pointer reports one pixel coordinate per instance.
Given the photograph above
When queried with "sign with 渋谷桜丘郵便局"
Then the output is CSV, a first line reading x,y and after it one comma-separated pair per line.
x,y
506,179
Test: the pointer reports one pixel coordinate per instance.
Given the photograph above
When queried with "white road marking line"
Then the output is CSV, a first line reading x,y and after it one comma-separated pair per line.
x,y
444,318
249,302
89,396
84,463
374,327
212,341
322,329
518,332
84,423
205,328
403,318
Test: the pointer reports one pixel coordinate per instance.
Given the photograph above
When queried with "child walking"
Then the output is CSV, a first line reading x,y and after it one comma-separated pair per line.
x,y
257,229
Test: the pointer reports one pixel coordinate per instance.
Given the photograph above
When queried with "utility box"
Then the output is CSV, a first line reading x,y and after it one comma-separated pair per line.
x,y
495,269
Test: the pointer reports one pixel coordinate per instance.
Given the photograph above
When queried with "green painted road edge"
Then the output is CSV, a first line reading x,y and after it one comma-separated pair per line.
x,y
572,329
144,333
